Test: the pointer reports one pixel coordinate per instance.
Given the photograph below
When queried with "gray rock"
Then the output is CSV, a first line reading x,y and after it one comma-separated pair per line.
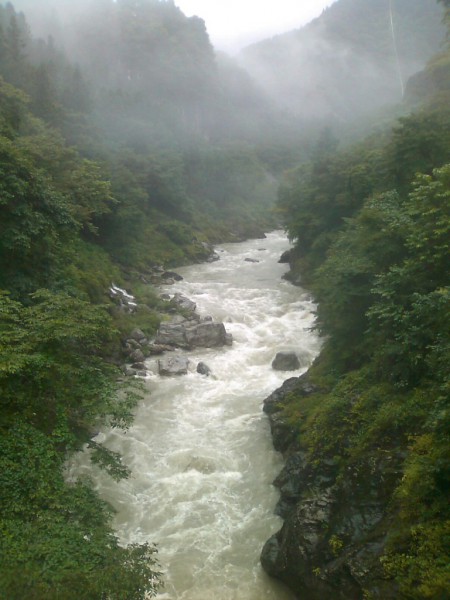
x,y
206,335
251,260
128,371
130,342
156,349
173,365
285,257
171,334
191,334
274,402
269,556
213,257
286,361
177,320
203,369
172,275
184,303
137,334
137,356
139,366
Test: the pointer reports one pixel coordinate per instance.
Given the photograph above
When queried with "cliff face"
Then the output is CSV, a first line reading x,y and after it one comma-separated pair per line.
x,y
336,524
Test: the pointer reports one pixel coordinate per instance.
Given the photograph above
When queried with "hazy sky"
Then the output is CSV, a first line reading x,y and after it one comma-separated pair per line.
x,y
233,24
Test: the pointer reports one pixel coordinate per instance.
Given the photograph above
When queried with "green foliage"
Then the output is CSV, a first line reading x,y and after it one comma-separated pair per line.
x,y
366,247
377,258
35,221
12,109
419,144
409,317
55,389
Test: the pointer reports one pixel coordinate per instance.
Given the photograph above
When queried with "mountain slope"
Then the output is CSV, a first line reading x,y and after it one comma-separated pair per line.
x,y
353,59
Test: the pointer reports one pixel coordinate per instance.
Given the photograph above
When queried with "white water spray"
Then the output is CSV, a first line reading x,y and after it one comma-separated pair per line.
x,y
200,449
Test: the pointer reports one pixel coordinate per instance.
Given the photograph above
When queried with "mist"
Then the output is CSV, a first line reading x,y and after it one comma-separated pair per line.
x,y
158,77
351,61
131,146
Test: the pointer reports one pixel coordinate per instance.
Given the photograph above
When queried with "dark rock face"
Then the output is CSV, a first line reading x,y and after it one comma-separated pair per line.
x,y
203,369
282,434
286,361
285,257
171,275
335,528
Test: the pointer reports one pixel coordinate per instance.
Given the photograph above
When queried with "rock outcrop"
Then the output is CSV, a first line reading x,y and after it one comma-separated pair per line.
x,y
285,258
123,299
189,334
286,361
171,366
185,331
203,369
335,526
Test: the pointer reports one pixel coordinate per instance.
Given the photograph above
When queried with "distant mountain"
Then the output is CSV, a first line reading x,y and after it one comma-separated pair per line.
x,y
353,59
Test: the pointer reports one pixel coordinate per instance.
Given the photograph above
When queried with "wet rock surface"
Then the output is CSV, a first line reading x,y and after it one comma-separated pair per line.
x,y
203,369
171,366
186,330
190,334
335,527
286,361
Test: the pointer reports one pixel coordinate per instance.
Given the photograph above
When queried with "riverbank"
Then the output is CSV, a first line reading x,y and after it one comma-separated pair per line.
x,y
200,450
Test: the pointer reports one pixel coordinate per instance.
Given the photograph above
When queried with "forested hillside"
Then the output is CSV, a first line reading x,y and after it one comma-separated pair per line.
x,y
353,59
126,142
370,464
104,173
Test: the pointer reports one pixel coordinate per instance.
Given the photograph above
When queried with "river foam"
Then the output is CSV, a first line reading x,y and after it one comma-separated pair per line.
x,y
200,449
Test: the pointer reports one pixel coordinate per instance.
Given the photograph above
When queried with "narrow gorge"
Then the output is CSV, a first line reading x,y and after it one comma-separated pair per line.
x,y
200,449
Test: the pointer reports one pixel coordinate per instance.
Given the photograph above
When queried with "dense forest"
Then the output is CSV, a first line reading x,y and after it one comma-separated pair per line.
x,y
127,142
102,178
371,226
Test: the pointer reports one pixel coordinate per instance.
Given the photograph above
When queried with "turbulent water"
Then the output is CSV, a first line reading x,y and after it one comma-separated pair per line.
x,y
200,449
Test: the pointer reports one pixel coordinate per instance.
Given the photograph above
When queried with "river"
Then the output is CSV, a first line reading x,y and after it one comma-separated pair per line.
x,y
200,448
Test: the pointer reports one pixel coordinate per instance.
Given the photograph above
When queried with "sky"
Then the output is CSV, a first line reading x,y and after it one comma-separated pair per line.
x,y
233,24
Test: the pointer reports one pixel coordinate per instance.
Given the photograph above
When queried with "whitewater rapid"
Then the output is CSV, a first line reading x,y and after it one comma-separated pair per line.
x,y
200,448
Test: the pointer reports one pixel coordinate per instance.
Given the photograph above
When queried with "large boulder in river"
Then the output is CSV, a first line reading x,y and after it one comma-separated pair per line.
x,y
173,365
286,361
171,334
183,303
203,369
193,335
207,335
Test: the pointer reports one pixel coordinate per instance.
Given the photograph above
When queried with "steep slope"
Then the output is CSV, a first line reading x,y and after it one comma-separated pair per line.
x,y
364,492
352,60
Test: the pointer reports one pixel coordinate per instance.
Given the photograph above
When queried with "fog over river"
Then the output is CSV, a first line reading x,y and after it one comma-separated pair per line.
x,y
200,448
